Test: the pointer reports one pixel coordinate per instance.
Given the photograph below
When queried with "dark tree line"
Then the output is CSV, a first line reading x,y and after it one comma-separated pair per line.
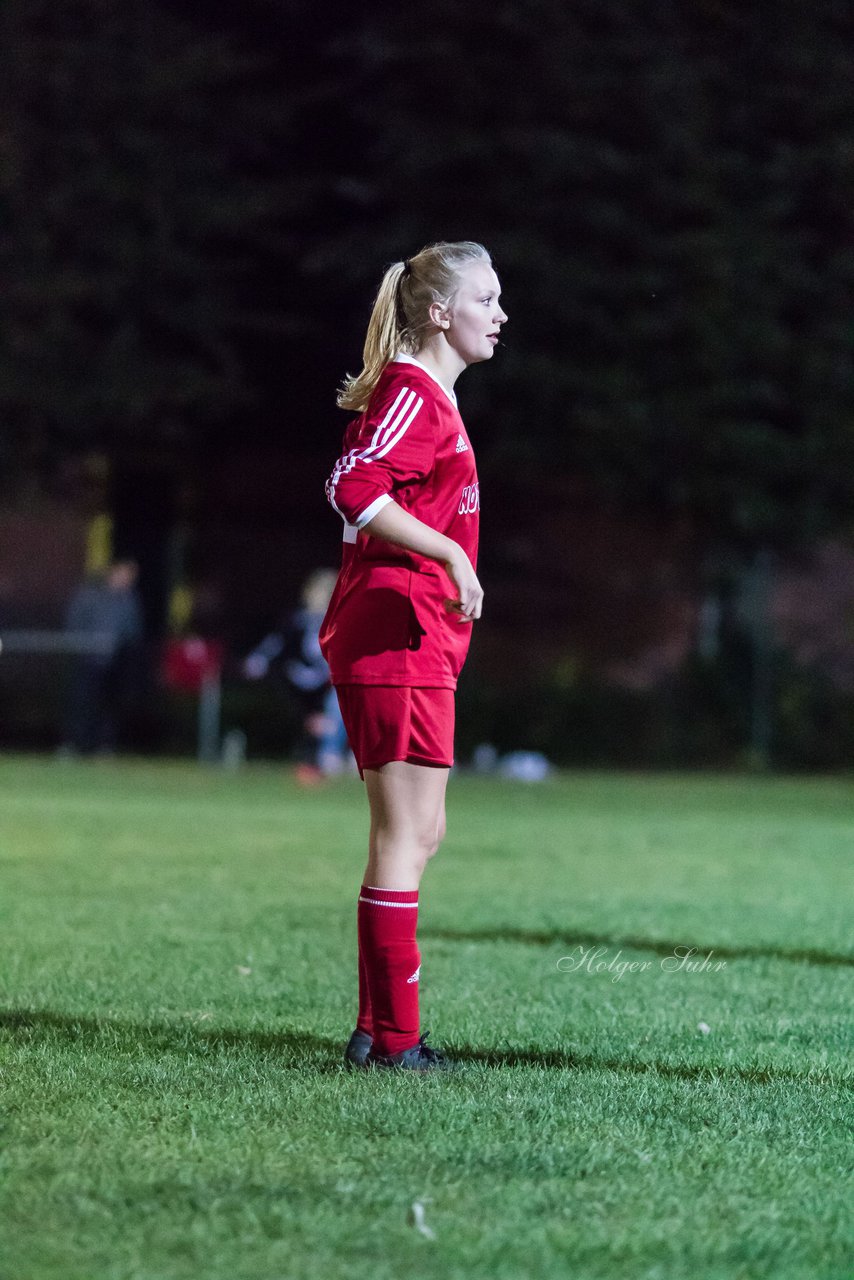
x,y
668,189
196,203
137,188
195,208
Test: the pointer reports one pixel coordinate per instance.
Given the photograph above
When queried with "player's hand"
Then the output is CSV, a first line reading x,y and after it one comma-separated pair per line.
x,y
464,578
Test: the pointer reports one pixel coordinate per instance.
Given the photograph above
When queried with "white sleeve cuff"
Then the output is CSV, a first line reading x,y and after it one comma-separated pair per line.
x,y
369,512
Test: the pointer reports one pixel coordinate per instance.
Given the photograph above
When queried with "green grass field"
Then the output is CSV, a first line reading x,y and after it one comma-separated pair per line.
x,y
178,970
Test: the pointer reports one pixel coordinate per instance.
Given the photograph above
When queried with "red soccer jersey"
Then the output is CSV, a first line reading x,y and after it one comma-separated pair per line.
x,y
387,622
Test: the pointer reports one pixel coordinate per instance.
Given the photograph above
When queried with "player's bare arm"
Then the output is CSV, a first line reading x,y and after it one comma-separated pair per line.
x,y
393,524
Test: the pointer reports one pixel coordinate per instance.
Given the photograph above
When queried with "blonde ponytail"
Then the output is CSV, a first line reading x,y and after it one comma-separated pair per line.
x,y
400,316
382,342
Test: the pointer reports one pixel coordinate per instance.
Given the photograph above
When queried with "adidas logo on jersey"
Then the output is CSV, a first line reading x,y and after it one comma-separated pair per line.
x,y
414,977
461,445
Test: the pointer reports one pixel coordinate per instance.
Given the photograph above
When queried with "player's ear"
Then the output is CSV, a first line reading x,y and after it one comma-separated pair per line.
x,y
439,315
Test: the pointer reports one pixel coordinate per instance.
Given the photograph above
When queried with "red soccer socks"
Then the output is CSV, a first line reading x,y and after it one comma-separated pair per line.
x,y
389,964
365,1020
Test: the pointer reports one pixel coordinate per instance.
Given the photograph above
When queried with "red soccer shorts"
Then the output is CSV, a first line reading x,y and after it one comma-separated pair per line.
x,y
387,722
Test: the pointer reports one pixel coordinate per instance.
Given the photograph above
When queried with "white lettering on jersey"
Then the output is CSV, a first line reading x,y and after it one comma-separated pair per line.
x,y
461,445
470,499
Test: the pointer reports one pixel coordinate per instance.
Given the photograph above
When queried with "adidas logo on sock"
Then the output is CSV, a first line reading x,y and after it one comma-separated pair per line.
x,y
414,977
461,445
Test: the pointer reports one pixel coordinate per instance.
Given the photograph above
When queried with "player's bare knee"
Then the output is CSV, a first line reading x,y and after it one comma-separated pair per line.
x,y
429,843
437,838
431,850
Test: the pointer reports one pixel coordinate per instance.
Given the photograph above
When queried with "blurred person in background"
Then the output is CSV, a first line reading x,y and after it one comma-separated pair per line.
x,y
104,622
295,650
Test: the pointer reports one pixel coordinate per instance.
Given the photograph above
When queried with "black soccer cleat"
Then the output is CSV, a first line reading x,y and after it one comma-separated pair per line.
x,y
357,1049
421,1057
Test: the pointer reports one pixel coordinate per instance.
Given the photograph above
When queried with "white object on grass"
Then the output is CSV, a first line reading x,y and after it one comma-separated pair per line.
x,y
525,766
416,1215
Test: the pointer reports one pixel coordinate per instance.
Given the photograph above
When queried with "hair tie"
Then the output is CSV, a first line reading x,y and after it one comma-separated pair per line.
x,y
407,267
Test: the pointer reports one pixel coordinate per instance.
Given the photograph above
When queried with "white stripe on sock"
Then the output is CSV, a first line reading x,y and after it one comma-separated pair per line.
x,y
380,902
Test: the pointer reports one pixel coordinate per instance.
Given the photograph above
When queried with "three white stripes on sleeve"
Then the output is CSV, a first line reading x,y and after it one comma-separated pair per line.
x,y
392,428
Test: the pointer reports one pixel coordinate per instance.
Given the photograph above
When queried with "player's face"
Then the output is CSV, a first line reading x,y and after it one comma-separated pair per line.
x,y
474,315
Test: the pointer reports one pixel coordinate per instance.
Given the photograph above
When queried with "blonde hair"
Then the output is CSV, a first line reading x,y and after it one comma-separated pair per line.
x,y
400,316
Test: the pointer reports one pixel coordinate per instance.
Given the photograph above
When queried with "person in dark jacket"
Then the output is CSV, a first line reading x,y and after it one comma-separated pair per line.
x,y
104,626
295,652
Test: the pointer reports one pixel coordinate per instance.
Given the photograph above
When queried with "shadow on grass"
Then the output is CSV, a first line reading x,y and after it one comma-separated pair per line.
x,y
549,938
186,1037
324,1055
555,1059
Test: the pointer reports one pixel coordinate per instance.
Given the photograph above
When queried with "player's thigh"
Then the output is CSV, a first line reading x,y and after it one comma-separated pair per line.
x,y
407,800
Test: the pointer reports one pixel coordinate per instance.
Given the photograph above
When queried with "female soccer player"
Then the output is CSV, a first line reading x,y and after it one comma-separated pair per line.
x,y
398,625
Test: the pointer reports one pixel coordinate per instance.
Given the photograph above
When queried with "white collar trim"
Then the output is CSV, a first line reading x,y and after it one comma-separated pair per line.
x,y
401,358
